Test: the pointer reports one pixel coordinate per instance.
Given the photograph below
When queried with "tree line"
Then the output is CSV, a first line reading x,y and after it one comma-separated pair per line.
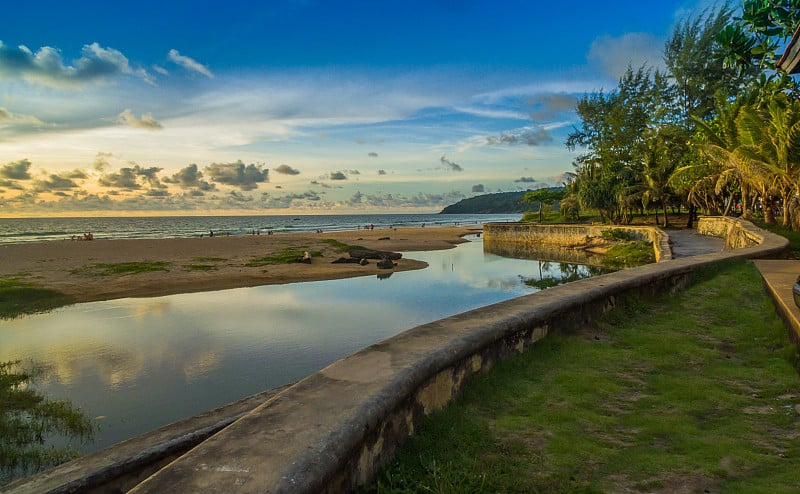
x,y
717,130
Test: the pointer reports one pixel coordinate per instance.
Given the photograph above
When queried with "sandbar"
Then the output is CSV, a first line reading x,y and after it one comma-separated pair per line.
x,y
209,263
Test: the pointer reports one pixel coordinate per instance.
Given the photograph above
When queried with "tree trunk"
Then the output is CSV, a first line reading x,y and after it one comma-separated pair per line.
x,y
728,205
664,207
786,214
745,203
690,221
769,214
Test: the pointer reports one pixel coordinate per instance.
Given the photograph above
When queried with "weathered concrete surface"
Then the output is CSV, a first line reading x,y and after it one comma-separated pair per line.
x,y
688,243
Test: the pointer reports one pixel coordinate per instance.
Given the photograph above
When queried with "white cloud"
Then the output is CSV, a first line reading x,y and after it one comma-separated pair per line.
x,y
47,67
189,63
615,55
146,122
492,113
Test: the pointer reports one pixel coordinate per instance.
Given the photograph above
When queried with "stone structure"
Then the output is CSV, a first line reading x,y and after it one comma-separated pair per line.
x,y
331,431
564,240
737,233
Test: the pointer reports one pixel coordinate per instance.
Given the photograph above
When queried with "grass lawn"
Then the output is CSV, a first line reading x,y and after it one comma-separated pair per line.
x,y
692,393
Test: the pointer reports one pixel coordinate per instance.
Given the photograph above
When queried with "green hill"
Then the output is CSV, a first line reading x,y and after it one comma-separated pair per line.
x,y
499,203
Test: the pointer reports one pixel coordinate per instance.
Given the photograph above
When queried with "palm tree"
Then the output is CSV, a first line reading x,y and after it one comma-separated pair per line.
x,y
770,138
719,167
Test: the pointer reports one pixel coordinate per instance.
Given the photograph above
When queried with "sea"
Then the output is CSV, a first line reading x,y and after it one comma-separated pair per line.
x,y
17,230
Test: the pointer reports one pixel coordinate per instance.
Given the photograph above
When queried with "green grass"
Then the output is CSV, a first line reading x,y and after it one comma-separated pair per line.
x,y
691,393
629,254
617,234
19,297
121,268
286,256
793,236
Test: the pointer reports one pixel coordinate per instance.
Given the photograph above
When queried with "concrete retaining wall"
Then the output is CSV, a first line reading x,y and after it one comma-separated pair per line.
x,y
331,431
737,233
497,236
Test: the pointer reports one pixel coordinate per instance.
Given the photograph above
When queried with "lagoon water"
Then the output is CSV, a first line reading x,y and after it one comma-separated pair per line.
x,y
138,364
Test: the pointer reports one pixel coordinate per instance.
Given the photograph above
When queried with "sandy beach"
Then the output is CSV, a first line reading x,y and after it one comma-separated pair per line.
x,y
69,266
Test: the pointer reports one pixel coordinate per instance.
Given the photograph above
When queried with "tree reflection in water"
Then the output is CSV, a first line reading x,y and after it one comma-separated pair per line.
x,y
569,273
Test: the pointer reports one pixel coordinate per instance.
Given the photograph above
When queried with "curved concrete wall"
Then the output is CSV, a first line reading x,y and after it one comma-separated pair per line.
x,y
331,431
548,237
737,233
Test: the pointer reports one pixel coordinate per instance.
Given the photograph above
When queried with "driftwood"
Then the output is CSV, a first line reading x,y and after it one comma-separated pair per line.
x,y
375,254
347,260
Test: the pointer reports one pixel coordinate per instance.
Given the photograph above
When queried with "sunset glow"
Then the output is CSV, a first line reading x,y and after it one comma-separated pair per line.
x,y
300,106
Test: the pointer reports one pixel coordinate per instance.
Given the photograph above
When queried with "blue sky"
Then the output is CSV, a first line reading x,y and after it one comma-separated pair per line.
x,y
301,106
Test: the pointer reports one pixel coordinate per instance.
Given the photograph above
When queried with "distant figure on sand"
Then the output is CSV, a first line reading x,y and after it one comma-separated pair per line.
x,y
211,233
88,236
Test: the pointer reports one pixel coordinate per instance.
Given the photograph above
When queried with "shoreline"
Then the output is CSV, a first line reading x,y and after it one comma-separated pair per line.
x,y
64,265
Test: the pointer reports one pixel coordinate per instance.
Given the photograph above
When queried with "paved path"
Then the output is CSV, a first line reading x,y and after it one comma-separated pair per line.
x,y
779,277
687,243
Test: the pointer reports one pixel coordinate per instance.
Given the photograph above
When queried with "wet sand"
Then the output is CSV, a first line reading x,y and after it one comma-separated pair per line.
x,y
204,264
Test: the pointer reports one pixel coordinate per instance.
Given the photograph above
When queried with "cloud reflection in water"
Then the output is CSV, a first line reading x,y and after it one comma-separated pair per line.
x,y
143,363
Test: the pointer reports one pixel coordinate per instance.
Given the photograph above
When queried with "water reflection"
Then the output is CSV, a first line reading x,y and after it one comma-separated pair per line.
x,y
138,364
567,274
545,252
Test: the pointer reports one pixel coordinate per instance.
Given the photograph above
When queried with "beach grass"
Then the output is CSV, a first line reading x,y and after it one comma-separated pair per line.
x,y
288,255
696,392
122,268
20,297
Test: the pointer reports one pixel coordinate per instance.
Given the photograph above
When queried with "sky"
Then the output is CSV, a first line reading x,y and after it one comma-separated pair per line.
x,y
301,106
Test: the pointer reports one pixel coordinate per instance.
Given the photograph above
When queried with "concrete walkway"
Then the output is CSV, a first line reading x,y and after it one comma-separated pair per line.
x,y
688,243
779,276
